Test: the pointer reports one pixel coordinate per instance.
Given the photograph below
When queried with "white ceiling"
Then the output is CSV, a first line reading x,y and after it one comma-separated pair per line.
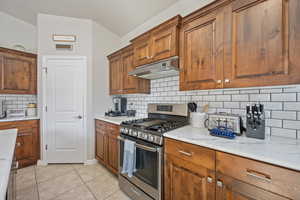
x,y
119,16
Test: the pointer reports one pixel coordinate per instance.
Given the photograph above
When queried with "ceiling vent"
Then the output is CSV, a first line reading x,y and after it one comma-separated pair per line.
x,y
66,47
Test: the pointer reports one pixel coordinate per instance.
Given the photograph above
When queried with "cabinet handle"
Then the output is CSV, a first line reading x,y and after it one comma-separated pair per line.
x,y
19,144
219,81
227,80
219,183
258,175
24,134
185,153
209,179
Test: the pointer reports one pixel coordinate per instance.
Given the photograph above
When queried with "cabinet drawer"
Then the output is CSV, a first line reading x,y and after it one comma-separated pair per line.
x,y
100,124
269,177
192,153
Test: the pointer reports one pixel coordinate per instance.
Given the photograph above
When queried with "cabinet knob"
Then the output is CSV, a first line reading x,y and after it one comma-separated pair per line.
x,y
209,179
227,80
18,144
219,183
219,81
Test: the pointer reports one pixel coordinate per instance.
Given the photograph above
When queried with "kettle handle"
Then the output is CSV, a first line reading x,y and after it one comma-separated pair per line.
x,y
206,123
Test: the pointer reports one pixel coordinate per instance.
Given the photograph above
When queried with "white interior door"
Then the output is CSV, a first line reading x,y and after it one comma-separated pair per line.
x,y
64,132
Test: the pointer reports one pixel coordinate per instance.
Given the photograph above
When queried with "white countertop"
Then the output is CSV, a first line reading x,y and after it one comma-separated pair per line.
x,y
12,119
7,146
114,120
279,151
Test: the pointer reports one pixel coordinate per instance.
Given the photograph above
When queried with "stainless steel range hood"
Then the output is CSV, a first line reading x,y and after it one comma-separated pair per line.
x,y
164,68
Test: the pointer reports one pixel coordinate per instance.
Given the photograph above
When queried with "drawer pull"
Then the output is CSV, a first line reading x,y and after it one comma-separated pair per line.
x,y
185,153
24,134
258,175
209,179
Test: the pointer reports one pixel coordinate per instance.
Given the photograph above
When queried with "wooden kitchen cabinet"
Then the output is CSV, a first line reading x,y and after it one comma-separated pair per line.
x,y
189,172
115,74
18,72
201,60
260,43
232,189
28,141
233,44
107,145
158,43
121,62
193,172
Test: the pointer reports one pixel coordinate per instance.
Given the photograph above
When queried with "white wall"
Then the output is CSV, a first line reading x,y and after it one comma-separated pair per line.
x,y
182,7
94,42
17,32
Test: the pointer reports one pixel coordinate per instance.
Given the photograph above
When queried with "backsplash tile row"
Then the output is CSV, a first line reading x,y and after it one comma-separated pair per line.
x,y
17,101
282,104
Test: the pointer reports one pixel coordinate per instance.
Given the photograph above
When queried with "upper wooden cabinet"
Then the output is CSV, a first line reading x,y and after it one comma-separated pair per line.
x,y
231,44
121,62
201,56
159,43
18,73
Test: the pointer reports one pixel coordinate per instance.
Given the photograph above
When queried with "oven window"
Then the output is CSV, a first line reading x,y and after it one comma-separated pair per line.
x,y
146,165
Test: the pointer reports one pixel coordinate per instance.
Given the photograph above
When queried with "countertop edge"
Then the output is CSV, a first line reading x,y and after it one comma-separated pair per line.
x,y
5,179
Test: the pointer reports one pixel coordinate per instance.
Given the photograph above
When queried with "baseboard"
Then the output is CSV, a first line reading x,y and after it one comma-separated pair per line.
x,y
90,162
41,163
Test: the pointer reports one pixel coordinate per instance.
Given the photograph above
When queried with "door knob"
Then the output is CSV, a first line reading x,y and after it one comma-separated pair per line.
x,y
79,117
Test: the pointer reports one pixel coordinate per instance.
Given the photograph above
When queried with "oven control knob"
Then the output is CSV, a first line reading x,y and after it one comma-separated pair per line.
x,y
145,136
134,133
151,138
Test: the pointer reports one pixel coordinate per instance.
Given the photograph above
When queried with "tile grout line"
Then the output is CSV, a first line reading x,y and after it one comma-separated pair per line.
x,y
84,183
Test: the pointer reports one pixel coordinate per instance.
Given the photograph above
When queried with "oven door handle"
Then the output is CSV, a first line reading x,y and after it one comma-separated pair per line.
x,y
140,146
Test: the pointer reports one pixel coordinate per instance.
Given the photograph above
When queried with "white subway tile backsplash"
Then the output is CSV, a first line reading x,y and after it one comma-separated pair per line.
x,y
284,115
291,124
284,97
260,97
282,104
293,106
284,132
17,101
241,97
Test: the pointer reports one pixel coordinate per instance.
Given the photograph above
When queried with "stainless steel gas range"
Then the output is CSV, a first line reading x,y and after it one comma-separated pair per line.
x,y
147,133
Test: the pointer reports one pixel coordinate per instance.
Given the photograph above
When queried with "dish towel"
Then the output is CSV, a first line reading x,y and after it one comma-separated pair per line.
x,y
129,158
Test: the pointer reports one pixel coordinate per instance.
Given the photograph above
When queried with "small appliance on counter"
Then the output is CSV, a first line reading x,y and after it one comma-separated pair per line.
x,y
119,107
2,111
224,125
255,121
16,113
31,110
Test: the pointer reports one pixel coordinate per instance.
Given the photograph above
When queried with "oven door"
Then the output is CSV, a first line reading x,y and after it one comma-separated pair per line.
x,y
148,166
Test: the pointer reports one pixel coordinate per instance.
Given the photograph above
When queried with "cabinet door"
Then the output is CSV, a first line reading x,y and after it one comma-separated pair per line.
x,y
100,145
186,181
130,83
164,43
233,189
142,50
116,75
18,74
113,153
258,44
201,55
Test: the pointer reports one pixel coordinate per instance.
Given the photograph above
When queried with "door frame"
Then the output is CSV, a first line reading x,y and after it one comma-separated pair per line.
x,y
45,60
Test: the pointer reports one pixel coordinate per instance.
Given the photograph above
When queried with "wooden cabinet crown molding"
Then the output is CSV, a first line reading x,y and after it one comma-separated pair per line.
x,y
174,21
16,52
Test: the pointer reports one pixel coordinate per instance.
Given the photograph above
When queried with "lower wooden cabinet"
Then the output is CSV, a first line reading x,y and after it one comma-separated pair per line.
x,y
191,175
28,141
107,144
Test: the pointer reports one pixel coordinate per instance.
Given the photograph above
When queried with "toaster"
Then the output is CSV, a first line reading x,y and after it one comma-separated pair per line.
x,y
225,121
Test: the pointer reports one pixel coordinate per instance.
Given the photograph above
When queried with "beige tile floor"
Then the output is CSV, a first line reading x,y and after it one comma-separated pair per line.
x,y
68,182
